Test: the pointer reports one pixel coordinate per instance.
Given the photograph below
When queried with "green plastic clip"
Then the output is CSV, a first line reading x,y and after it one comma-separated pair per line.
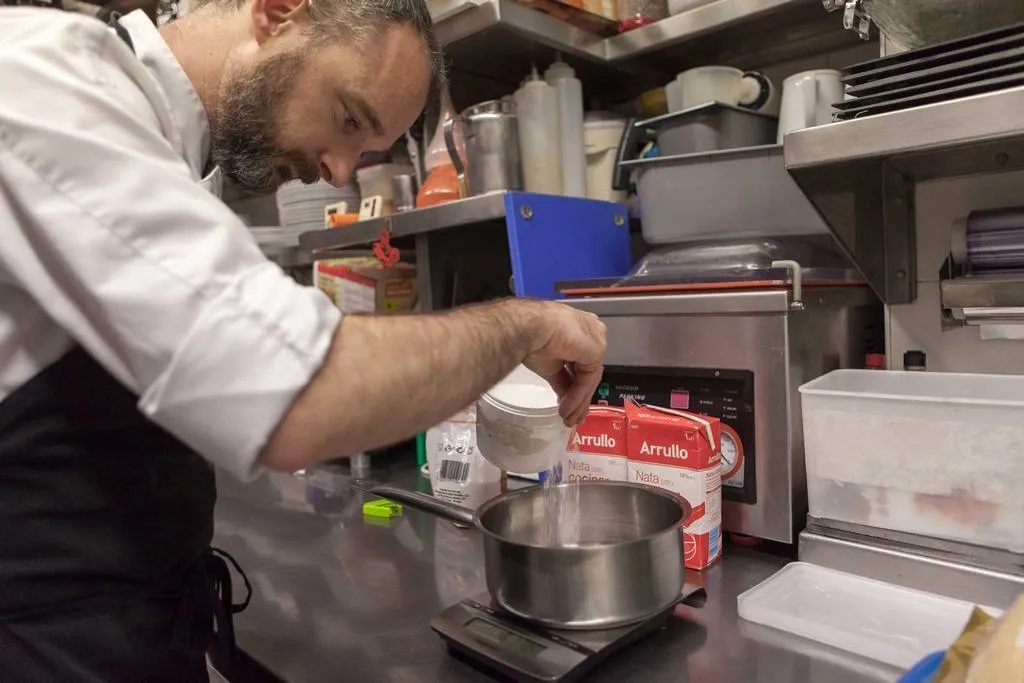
x,y
381,509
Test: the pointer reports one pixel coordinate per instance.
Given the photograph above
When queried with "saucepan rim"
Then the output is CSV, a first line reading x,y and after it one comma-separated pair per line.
x,y
684,505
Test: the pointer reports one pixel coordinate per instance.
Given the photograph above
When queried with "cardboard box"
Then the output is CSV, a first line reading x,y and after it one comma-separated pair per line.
x,y
598,448
361,285
681,452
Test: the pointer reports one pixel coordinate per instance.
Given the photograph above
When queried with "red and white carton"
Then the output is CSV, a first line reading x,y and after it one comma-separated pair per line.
x,y
597,451
681,452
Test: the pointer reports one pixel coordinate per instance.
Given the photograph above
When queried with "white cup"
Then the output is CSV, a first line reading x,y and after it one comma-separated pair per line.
x,y
807,100
726,85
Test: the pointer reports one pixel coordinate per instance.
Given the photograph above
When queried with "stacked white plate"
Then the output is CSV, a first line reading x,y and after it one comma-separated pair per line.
x,y
301,207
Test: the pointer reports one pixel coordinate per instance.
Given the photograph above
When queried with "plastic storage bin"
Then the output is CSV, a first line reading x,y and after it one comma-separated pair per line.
x,y
935,454
877,620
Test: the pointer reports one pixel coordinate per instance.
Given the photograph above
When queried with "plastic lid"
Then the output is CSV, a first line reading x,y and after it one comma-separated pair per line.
x,y
559,71
526,393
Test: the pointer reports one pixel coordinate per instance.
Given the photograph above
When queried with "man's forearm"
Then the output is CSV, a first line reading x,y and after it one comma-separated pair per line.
x,y
387,378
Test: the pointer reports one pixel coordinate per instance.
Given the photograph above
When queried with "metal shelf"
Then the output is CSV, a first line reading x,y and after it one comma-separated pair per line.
x,y
483,209
499,39
981,293
861,174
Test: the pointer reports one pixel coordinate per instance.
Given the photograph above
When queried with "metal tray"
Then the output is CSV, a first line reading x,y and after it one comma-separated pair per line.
x,y
910,90
977,67
728,194
853,109
932,55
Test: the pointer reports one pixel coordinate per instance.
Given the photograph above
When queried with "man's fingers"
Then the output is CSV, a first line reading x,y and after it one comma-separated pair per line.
x,y
576,403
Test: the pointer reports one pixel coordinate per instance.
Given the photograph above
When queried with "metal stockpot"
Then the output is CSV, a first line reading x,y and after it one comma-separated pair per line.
x,y
491,134
627,566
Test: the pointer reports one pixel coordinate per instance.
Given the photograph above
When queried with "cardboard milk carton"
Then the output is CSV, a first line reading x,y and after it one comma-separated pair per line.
x,y
680,452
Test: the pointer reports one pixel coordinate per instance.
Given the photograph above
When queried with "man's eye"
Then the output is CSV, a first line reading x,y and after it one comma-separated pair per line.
x,y
350,124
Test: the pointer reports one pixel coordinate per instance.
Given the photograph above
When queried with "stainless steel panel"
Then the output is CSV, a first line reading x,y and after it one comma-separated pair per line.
x,y
982,292
756,332
481,209
861,174
686,304
943,125
685,26
337,595
904,567
755,342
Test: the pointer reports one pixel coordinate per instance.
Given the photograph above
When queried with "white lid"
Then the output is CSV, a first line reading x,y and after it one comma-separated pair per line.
x,y
526,393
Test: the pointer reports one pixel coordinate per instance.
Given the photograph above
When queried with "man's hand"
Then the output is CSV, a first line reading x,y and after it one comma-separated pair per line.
x,y
569,353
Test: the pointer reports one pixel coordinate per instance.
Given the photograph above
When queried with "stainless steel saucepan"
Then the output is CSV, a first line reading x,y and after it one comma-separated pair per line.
x,y
626,564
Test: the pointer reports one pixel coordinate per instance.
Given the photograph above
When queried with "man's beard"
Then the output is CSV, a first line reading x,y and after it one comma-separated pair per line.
x,y
244,130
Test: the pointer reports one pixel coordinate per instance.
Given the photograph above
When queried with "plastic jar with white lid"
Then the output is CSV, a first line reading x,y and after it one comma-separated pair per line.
x,y
518,426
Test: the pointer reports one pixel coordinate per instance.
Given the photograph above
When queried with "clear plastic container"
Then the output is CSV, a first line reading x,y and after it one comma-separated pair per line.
x,y
934,454
877,620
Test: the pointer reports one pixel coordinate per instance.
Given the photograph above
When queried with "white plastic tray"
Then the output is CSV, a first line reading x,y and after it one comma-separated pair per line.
x,y
880,621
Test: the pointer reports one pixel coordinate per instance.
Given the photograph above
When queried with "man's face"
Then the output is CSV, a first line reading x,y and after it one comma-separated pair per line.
x,y
306,111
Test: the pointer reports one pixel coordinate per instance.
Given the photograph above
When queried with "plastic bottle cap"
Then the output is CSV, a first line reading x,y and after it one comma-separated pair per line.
x,y
875,361
559,71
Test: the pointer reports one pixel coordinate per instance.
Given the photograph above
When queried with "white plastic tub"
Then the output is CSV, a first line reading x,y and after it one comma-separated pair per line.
x,y
877,620
936,454
518,427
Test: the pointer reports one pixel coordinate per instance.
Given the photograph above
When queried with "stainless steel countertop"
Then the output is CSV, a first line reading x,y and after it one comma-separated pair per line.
x,y
339,599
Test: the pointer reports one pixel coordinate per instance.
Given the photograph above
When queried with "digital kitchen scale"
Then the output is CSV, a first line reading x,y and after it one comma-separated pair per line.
x,y
495,641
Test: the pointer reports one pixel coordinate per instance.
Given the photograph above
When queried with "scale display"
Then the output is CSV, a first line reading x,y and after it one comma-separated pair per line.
x,y
505,638
516,650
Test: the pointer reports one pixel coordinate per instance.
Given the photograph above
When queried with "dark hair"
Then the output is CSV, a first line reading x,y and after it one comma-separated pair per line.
x,y
364,19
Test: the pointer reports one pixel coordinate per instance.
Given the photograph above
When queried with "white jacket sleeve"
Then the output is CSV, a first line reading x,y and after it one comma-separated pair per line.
x,y
103,226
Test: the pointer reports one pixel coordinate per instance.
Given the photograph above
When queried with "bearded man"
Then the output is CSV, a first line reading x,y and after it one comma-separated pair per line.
x,y
144,338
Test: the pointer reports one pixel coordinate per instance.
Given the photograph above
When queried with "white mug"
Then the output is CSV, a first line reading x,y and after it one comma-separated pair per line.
x,y
727,85
807,100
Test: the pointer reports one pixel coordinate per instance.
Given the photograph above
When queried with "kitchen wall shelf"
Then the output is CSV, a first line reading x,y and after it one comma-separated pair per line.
x,y
861,174
499,40
497,244
988,298
488,208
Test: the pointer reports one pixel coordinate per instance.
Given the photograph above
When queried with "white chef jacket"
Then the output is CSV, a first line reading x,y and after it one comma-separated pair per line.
x,y
108,240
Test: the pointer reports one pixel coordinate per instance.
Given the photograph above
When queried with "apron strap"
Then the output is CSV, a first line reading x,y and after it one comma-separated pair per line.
x,y
114,22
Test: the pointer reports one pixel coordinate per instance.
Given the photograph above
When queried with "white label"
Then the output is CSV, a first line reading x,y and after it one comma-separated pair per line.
x,y
355,297
671,451
594,467
595,440
698,487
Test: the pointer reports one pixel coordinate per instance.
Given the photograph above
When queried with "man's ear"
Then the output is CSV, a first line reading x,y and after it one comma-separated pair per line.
x,y
273,17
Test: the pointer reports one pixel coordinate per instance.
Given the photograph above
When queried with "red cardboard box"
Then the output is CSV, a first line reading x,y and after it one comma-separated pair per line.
x,y
681,452
598,448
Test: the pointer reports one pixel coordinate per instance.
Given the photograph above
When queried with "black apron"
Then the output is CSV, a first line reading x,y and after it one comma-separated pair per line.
x,y
105,523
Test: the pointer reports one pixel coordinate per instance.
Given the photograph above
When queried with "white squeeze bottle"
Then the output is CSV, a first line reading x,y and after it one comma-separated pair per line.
x,y
569,91
539,148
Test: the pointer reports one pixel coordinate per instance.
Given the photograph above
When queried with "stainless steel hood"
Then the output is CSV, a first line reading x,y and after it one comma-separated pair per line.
x,y
860,174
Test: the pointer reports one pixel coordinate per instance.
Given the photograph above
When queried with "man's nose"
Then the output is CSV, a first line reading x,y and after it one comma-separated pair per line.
x,y
336,167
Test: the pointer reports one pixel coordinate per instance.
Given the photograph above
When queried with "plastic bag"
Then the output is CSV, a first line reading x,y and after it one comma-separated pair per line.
x,y
458,473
